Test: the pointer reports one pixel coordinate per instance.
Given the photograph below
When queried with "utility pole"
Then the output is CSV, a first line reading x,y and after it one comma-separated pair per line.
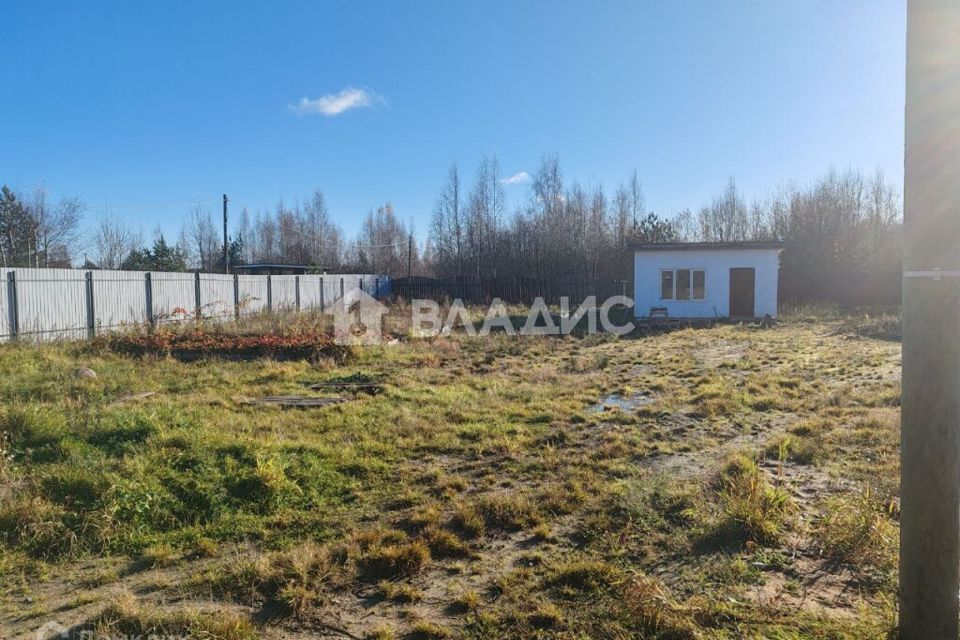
x,y
410,255
930,412
226,242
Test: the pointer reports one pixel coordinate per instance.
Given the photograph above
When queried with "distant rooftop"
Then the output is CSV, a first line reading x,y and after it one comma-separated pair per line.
x,y
705,246
262,268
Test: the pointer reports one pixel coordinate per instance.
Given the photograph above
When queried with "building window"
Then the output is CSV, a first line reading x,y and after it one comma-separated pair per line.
x,y
699,284
666,285
683,284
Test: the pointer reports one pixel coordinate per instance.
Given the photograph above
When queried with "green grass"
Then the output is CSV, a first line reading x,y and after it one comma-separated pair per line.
x,y
477,494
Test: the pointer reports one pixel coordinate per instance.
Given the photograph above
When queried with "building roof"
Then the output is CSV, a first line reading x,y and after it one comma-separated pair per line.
x,y
269,265
706,246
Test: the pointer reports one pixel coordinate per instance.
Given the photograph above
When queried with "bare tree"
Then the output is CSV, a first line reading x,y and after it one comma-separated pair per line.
x,y
622,215
55,227
201,239
638,202
447,226
114,241
484,211
725,219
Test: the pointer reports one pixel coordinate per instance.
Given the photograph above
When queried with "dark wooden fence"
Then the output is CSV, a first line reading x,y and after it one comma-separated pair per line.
x,y
510,289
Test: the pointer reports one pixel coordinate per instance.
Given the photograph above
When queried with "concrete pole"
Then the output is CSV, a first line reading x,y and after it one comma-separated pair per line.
x,y
930,431
226,239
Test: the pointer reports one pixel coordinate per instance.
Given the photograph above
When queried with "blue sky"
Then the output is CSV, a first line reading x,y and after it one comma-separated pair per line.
x,y
150,103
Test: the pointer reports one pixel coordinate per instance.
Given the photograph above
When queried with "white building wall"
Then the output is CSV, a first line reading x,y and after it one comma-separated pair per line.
x,y
717,264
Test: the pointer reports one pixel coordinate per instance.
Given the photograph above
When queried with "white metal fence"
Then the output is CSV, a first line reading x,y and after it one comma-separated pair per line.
x,y
68,304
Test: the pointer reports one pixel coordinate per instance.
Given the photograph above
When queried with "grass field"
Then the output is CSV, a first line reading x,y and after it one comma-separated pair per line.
x,y
730,482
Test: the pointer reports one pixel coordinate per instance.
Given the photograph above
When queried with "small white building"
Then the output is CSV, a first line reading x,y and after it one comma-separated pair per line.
x,y
706,279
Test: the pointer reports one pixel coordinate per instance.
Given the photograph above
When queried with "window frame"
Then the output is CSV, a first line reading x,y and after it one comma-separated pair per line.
x,y
673,284
673,292
693,270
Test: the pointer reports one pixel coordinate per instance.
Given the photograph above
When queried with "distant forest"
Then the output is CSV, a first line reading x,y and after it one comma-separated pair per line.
x,y
842,233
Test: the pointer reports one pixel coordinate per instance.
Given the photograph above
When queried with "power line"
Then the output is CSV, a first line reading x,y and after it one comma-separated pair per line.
x,y
159,205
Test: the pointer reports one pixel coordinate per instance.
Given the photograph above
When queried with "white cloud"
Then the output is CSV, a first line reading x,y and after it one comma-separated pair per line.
x,y
517,178
333,104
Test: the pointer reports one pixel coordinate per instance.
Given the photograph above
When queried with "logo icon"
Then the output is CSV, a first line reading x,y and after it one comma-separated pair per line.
x,y
357,318
52,629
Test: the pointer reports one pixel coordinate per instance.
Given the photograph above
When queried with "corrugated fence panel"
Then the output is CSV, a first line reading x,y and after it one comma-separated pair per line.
x,y
52,303
331,290
309,292
120,298
55,303
284,292
216,295
174,296
351,282
253,294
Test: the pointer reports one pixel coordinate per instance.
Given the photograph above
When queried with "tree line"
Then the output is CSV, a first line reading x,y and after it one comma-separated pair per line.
x,y
842,233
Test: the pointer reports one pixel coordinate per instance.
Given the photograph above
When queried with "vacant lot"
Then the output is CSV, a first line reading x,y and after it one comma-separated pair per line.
x,y
720,483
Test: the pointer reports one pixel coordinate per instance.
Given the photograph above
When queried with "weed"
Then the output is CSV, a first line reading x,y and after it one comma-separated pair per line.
x,y
393,560
858,529
468,520
159,554
547,615
399,592
466,601
444,544
425,630
582,575
127,617
751,510
654,612
512,512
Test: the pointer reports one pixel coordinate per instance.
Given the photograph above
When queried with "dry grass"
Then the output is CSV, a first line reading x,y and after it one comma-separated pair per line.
x,y
484,492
